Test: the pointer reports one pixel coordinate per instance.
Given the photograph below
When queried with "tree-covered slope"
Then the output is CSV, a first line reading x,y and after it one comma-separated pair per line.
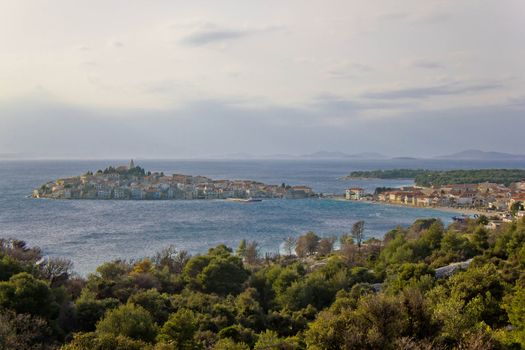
x,y
426,178
378,294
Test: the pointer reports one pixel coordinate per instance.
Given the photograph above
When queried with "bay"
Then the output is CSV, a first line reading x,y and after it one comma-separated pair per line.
x,y
91,232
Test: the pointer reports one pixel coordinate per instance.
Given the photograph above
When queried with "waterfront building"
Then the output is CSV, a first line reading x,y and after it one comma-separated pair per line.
x,y
354,193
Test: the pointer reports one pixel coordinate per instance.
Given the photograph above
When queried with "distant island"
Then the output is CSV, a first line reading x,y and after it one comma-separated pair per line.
x,y
427,178
470,155
342,155
134,183
474,154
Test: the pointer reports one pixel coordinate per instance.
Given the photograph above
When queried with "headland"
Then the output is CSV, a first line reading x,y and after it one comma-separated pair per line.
x,y
134,183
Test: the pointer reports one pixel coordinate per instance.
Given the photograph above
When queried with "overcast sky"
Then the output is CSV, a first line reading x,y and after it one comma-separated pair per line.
x,y
166,78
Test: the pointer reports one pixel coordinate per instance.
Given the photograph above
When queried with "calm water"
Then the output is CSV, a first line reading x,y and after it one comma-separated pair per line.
x,y
91,232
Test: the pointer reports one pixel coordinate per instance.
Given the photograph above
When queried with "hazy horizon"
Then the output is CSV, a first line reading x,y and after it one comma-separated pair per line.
x,y
172,79
370,156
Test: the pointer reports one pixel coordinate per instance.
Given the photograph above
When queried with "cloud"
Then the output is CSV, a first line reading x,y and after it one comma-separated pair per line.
x,y
167,86
394,16
206,127
208,33
417,92
426,64
425,14
116,44
517,101
205,37
348,70
341,106
88,63
440,131
83,48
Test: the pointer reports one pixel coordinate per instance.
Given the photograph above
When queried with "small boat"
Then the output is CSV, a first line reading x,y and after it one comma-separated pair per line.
x,y
462,218
245,200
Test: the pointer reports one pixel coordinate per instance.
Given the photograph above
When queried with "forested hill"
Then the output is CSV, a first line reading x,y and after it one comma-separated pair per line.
x,y
426,178
316,299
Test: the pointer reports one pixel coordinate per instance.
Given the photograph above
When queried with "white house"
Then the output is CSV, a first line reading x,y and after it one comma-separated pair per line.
x,y
354,193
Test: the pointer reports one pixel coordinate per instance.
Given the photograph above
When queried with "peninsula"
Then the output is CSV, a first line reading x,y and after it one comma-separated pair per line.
x,y
488,190
134,183
427,178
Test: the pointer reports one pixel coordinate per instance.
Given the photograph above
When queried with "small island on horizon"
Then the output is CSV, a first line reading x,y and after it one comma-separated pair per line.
x,y
132,182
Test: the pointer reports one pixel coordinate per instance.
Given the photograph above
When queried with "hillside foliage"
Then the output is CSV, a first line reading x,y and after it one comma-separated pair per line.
x,y
379,294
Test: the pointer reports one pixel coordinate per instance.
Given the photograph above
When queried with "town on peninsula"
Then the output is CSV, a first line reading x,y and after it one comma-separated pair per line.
x,y
134,183
499,193
495,191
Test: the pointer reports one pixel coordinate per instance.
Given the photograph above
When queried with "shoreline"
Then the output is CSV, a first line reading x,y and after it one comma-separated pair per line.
x,y
466,211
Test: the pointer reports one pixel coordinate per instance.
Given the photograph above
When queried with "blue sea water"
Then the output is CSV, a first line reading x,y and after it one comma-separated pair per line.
x,y
91,232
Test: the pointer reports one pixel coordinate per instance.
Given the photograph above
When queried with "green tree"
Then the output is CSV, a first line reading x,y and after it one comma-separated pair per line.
x,y
515,307
223,276
23,331
89,311
456,317
410,275
249,311
376,322
455,246
105,341
180,330
230,344
482,283
238,334
482,220
515,207
130,321
112,271
381,318
480,238
432,237
27,295
314,290
217,272
195,266
271,340
330,331
157,304
9,267
241,249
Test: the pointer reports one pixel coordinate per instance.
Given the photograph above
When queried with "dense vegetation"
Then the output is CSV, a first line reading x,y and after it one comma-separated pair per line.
x,y
389,174
427,178
125,172
317,299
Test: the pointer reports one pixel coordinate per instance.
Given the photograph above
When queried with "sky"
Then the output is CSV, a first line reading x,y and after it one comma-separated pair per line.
x,y
184,79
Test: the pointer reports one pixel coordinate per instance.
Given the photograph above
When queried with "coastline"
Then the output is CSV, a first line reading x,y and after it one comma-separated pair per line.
x,y
466,211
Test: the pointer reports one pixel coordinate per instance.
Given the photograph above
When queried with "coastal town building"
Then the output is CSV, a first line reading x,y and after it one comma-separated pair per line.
x,y
483,196
354,193
132,183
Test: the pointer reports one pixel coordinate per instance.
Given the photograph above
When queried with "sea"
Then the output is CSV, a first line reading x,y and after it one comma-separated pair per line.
x,y
90,232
